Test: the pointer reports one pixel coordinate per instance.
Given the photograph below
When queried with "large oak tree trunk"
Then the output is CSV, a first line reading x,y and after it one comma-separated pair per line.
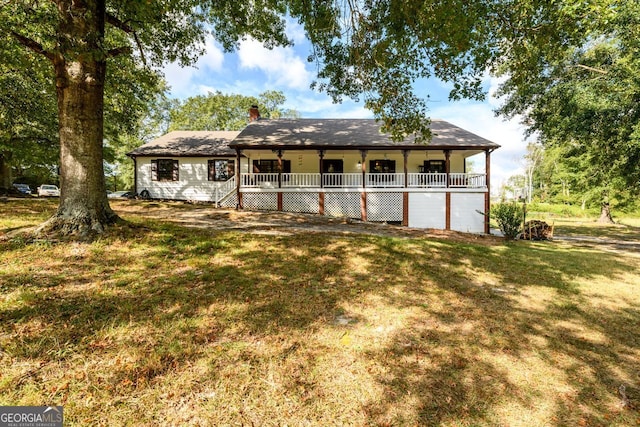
x,y
84,208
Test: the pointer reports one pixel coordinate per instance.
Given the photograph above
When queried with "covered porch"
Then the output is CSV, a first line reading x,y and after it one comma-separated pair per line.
x,y
349,168
288,169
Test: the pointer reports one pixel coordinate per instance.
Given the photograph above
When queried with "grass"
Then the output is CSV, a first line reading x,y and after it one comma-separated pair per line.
x,y
157,324
573,221
628,229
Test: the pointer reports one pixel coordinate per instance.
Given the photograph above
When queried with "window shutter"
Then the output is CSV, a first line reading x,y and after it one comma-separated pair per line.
x,y
231,168
175,176
211,170
154,170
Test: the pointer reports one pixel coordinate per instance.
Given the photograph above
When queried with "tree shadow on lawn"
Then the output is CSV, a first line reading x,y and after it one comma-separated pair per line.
x,y
628,233
462,358
453,363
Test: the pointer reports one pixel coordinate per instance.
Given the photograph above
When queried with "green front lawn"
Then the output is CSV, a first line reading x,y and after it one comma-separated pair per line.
x,y
158,324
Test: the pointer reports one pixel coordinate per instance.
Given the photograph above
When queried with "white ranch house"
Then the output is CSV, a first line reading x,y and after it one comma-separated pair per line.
x,y
336,167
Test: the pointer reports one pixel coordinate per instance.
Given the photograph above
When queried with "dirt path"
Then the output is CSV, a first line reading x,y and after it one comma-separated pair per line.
x,y
279,223
608,244
265,222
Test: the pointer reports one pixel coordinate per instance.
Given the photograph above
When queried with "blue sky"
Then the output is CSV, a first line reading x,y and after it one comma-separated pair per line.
x,y
252,69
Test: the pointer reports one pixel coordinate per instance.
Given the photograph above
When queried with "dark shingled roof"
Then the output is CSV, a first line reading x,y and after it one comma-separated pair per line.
x,y
350,133
189,143
306,134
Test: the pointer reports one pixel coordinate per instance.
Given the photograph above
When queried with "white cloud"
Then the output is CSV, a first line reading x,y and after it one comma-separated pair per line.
x,y
296,32
184,81
319,105
180,79
213,59
494,83
480,119
281,65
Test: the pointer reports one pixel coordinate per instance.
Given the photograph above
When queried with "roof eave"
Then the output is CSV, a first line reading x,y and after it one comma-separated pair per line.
x,y
166,154
418,147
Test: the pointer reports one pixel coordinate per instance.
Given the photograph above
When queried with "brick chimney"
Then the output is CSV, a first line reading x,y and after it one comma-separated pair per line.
x,y
254,113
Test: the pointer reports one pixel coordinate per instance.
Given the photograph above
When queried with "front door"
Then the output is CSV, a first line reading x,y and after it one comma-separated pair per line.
x,y
331,167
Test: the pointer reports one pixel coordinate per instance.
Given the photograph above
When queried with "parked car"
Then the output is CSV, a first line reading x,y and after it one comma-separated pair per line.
x,y
23,188
121,195
48,190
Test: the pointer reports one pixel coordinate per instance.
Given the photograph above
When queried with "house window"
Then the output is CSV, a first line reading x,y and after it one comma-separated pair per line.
x,y
434,166
332,166
382,166
221,170
271,166
164,170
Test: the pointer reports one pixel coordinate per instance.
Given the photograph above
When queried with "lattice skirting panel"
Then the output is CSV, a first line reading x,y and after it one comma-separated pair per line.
x,y
260,201
342,204
230,202
300,202
384,207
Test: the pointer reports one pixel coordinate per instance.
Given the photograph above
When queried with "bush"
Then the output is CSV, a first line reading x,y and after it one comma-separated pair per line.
x,y
509,218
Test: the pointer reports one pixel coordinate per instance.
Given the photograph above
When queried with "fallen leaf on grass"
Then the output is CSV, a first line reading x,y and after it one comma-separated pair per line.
x,y
346,339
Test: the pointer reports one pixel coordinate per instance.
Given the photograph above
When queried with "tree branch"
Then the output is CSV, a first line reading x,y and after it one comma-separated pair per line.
x,y
129,30
118,51
595,70
135,36
33,45
119,24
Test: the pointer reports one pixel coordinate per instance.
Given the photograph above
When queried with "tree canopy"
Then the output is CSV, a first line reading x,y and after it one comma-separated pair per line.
x,y
583,106
218,111
29,137
79,39
373,49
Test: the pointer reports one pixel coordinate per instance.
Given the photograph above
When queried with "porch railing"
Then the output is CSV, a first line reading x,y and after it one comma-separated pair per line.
x,y
225,189
467,180
372,180
260,180
300,180
341,180
427,180
385,180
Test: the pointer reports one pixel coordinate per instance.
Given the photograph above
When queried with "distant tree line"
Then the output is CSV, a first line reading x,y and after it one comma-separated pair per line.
x,y
30,151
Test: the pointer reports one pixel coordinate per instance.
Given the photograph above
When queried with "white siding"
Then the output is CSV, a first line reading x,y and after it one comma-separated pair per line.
x,y
427,210
464,212
193,181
